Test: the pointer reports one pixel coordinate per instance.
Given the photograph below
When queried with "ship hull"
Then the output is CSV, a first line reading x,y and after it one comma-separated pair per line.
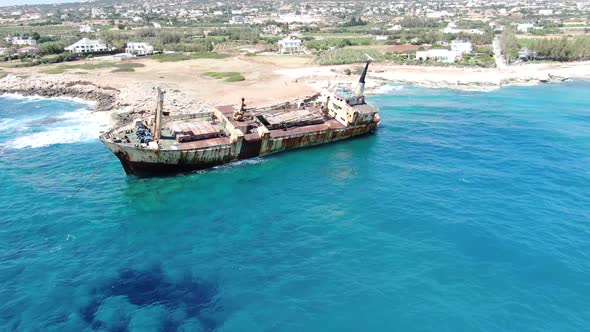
x,y
145,162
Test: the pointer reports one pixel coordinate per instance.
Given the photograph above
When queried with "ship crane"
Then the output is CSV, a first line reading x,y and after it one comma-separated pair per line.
x,y
360,89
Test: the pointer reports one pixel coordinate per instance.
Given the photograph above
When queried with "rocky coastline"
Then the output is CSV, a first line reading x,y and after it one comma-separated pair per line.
x,y
124,101
104,98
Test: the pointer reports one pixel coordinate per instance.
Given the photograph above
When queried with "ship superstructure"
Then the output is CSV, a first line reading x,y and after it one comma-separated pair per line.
x,y
181,143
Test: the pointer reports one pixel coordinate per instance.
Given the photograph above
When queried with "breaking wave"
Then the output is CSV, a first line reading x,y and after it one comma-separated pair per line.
x,y
39,123
74,127
32,99
386,89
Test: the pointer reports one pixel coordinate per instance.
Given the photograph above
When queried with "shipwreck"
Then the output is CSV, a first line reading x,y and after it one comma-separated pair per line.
x,y
182,143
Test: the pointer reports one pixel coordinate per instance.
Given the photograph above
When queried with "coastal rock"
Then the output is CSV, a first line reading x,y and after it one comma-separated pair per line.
x,y
130,101
106,99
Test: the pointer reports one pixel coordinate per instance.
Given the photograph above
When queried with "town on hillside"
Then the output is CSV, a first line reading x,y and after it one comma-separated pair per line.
x,y
462,33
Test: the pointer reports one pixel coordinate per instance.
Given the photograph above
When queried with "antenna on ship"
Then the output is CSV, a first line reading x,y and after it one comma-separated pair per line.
x,y
360,89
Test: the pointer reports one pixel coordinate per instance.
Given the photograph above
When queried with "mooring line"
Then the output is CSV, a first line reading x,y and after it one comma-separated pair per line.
x,y
87,180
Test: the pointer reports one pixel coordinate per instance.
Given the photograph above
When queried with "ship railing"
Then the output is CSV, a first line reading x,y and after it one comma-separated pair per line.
x,y
181,117
110,133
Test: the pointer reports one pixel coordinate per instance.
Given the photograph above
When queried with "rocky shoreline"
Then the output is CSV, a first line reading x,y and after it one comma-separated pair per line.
x,y
469,79
105,98
124,101
472,86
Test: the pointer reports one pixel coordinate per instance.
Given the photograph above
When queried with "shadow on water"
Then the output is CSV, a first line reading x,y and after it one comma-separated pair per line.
x,y
143,288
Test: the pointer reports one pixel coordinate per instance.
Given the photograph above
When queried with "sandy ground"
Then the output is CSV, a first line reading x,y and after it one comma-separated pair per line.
x,y
262,85
448,77
273,79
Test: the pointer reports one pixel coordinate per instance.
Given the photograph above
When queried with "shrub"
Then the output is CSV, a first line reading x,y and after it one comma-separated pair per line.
x,y
122,70
229,76
347,56
183,57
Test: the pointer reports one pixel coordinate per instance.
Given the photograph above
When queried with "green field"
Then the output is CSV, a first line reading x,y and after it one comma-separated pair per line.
x,y
228,76
340,56
117,67
184,57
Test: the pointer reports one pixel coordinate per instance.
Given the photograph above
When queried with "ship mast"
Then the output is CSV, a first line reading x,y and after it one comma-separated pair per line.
x,y
158,117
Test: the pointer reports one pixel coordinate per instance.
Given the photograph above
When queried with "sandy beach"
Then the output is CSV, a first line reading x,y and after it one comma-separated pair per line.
x,y
268,80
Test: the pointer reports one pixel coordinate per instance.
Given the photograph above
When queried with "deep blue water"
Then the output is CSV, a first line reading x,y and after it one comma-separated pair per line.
x,y
466,211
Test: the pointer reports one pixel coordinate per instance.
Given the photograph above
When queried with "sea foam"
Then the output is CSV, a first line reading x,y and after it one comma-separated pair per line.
x,y
69,127
386,89
31,99
79,126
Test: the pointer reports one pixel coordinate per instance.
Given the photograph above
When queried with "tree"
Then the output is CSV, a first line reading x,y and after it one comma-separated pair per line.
x,y
51,48
509,44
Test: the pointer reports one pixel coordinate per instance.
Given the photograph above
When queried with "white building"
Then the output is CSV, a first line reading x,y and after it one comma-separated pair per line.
x,y
86,28
450,31
461,47
139,48
290,45
546,12
524,27
439,14
86,45
21,41
440,55
28,49
272,29
476,31
237,20
451,28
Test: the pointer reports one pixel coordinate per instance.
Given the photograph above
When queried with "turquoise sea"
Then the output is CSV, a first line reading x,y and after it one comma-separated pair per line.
x,y
465,211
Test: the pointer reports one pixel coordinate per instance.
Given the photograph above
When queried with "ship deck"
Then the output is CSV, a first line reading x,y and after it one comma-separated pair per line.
x,y
204,132
199,133
250,134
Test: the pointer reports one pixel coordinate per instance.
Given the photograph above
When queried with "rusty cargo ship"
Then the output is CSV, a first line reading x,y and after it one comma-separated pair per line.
x,y
182,143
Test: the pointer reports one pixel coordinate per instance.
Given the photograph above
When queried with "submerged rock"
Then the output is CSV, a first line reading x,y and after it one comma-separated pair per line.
x,y
147,299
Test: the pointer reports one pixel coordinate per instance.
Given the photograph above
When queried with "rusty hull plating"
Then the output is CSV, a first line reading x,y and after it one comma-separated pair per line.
x,y
191,142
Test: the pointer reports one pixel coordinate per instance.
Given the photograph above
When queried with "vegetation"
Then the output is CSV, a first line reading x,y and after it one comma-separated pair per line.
x,y
58,70
122,70
325,44
553,49
51,48
229,76
354,22
478,60
247,34
184,57
509,45
468,24
558,49
420,22
347,56
118,67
